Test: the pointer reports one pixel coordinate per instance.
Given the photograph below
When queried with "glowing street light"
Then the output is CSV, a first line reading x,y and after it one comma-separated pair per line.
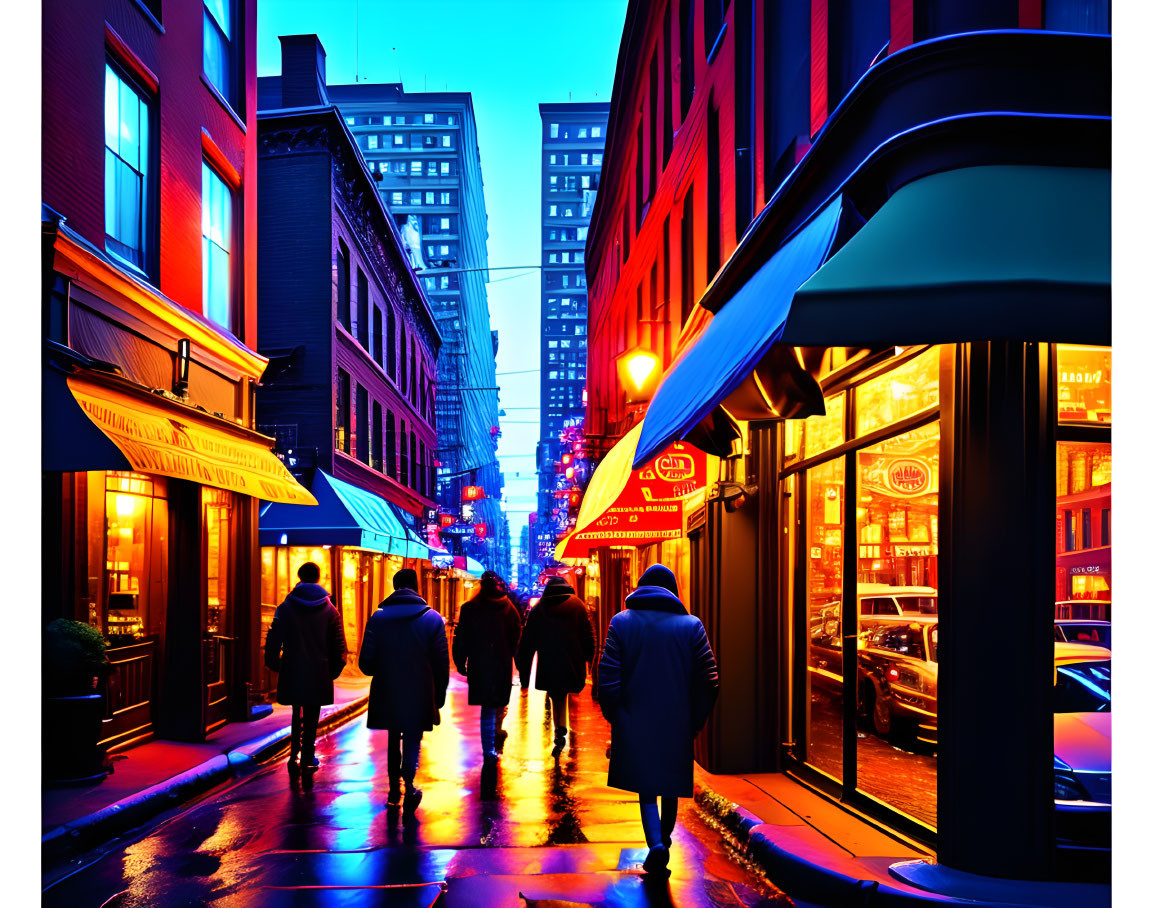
x,y
638,371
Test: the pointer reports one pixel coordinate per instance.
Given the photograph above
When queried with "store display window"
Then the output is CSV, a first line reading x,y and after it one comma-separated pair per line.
x,y
134,582
887,610
1084,384
217,507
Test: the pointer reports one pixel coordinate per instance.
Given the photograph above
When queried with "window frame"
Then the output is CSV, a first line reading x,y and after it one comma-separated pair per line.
x,y
233,95
150,179
234,251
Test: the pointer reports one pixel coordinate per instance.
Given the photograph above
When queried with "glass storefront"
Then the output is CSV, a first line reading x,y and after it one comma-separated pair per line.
x,y
127,602
892,484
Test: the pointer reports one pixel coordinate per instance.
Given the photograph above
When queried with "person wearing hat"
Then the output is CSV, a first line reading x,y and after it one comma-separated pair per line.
x,y
306,647
483,648
406,653
558,629
657,684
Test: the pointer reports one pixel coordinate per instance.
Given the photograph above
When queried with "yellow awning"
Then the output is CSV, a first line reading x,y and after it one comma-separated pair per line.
x,y
163,437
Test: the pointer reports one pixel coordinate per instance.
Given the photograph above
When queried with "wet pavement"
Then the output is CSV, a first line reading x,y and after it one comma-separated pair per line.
x,y
535,830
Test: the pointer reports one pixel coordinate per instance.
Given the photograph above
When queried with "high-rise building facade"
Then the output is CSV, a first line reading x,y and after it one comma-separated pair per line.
x,y
572,143
421,148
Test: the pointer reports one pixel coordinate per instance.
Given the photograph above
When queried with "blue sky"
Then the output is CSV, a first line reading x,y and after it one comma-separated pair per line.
x,y
512,55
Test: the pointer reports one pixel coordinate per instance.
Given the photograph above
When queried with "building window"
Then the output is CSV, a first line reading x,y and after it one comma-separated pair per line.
x,y
220,57
343,284
390,445
341,440
445,198
583,133
372,142
415,168
596,132
553,211
128,199
361,441
398,198
391,346
429,118
713,197
445,168
361,322
553,130
688,255
415,198
431,169
376,447
398,139
686,56
445,141
216,247
378,340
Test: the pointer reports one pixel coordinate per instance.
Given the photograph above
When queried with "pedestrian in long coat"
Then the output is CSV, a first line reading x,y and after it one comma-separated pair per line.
x,y
406,652
657,684
306,647
484,644
558,629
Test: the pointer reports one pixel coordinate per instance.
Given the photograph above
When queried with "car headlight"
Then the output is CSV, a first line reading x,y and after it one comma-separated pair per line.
x,y
1067,785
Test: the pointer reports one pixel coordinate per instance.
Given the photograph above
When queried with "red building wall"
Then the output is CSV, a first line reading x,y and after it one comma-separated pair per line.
x,y
620,259
194,124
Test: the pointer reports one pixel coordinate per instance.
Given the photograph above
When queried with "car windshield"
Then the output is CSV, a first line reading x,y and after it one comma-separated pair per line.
x,y
1095,634
919,605
1083,687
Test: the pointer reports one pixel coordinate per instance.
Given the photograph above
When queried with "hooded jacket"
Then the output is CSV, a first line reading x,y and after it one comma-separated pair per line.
x,y
484,644
306,646
558,629
406,652
657,684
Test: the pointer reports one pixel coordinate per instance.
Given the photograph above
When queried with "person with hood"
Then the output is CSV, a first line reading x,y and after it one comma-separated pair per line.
x,y
483,648
306,647
406,653
657,683
558,629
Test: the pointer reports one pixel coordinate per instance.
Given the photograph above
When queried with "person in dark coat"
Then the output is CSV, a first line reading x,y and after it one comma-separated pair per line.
x,y
483,648
657,684
306,647
558,629
406,653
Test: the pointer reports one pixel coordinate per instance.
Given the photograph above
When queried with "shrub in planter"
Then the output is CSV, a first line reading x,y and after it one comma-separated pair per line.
x,y
73,662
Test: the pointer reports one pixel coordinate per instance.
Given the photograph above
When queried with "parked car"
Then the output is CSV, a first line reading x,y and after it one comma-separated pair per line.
x,y
1082,746
880,599
1094,633
898,677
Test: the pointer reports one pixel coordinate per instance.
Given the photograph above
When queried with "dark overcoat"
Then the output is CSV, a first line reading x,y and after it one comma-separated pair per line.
x,y
657,683
306,646
483,647
558,629
406,653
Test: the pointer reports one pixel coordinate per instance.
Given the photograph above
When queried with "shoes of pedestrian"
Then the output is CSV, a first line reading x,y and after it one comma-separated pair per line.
x,y
499,741
657,860
313,763
559,742
412,799
294,767
394,794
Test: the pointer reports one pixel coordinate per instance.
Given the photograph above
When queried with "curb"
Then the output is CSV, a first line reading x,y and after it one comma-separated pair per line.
x,y
806,880
95,829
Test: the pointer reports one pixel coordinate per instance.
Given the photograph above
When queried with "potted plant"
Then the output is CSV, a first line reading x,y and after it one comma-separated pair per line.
x,y
73,662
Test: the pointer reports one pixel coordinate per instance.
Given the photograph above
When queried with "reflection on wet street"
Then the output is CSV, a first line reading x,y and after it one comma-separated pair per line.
x,y
546,829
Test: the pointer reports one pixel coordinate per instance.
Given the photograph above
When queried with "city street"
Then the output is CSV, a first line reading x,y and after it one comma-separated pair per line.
x,y
545,830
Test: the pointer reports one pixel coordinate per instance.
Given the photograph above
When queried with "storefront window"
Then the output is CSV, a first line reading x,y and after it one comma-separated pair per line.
x,y
1084,384
217,525
825,488
1083,531
821,433
901,392
128,513
897,535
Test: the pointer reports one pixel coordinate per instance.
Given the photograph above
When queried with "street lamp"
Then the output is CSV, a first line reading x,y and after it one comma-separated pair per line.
x,y
638,372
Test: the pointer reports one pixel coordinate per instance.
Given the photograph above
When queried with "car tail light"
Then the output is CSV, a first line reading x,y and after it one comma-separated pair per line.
x,y
892,674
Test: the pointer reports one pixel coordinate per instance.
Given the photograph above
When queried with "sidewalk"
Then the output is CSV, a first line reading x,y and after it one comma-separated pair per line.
x,y
819,852
160,775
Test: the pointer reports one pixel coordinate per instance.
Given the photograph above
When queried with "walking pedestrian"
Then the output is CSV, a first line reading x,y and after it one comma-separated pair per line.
x,y
406,652
657,684
558,629
483,648
306,647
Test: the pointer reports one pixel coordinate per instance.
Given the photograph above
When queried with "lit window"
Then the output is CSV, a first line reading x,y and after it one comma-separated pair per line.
x,y
445,198
372,142
553,159
397,138
451,120
429,198
585,159
569,211
387,120
582,132
127,205
445,223
398,198
445,141
579,258
216,244
582,232
597,159
596,132
444,250
415,198
432,169
445,168
348,121
585,181
553,130
219,64
553,258
400,121
445,282
565,258
429,118
415,168
553,211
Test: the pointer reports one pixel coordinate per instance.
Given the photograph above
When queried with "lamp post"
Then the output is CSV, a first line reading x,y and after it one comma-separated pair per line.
x,y
638,371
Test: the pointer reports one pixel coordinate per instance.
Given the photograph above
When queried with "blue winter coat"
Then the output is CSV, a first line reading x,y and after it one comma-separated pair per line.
x,y
406,652
306,646
657,683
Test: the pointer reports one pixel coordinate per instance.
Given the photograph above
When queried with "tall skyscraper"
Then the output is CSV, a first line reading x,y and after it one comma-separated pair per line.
x,y
421,147
572,142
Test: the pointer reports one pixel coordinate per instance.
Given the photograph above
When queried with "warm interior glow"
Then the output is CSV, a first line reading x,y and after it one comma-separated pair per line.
x,y
640,366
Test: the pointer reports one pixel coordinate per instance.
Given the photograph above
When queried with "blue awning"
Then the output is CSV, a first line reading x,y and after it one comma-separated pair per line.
x,y
737,339
345,515
473,566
